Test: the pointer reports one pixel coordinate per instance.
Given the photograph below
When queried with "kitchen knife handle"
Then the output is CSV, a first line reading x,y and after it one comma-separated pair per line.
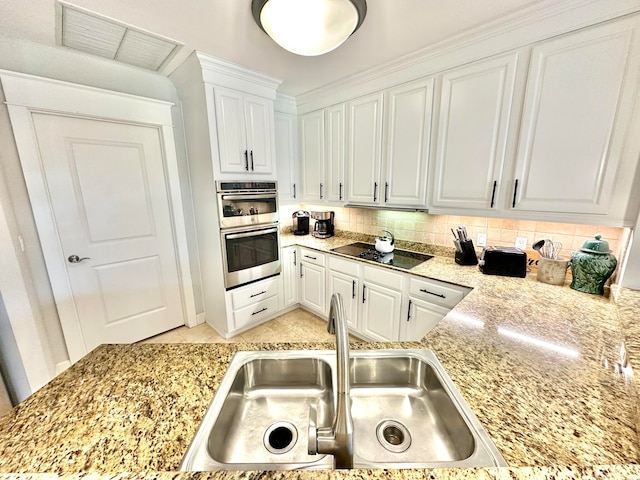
x,y
515,193
320,191
375,191
246,160
386,191
409,312
493,194
252,160
340,191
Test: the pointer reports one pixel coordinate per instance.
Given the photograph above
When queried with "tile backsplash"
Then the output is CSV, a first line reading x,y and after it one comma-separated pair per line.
x,y
436,229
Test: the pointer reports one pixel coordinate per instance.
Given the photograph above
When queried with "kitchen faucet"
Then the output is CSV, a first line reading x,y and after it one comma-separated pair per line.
x,y
336,440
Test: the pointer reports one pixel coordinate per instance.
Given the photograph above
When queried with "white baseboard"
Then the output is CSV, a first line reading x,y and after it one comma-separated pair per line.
x,y
62,366
200,318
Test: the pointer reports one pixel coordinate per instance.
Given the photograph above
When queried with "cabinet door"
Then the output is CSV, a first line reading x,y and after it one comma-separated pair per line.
x,y
474,116
408,133
286,156
290,276
312,292
334,150
312,151
258,114
231,131
579,92
421,318
365,138
380,317
348,287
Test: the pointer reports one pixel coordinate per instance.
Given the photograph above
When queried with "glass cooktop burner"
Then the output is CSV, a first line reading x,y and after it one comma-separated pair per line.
x,y
397,258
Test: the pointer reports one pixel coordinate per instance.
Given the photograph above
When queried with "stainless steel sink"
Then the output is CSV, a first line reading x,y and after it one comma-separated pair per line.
x,y
407,413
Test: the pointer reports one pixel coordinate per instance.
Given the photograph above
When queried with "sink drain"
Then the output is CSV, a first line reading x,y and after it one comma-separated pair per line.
x,y
393,436
280,437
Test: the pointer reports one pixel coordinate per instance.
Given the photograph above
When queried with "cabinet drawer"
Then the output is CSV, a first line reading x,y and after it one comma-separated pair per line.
x,y
385,277
255,312
311,256
347,267
437,292
253,293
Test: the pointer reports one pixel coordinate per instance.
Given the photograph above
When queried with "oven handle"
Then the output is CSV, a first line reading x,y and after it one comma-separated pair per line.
x,y
252,233
245,196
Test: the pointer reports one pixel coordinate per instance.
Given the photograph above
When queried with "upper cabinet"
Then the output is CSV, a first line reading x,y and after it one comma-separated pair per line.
x,y
575,121
286,137
245,132
364,151
389,140
323,154
474,119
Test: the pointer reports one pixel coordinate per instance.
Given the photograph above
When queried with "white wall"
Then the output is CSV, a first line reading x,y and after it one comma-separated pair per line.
x,y
67,65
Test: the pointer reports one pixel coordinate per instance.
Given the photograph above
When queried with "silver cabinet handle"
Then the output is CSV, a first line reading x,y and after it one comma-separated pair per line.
x,y
364,297
252,160
321,191
258,294
375,191
260,311
409,312
340,191
246,160
353,289
309,256
301,275
386,192
294,190
295,258
77,259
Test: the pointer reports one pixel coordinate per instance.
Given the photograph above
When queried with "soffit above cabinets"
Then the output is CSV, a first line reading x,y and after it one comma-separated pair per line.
x,y
96,34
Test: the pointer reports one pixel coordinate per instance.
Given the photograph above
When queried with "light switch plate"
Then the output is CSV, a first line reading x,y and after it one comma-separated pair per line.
x,y
521,243
482,240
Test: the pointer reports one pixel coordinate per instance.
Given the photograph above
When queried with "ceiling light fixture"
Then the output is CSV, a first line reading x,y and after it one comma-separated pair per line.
x,y
309,27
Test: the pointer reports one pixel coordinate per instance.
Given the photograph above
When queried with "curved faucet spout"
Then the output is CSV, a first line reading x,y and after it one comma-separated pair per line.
x,y
337,440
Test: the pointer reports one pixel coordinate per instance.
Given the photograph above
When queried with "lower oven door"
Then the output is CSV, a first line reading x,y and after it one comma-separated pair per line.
x,y
250,254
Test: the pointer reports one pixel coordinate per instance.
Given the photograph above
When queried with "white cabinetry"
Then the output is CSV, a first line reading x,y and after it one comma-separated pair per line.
x,y
343,278
289,277
381,304
286,126
253,303
579,96
474,119
407,140
364,151
323,154
402,132
312,292
245,131
312,156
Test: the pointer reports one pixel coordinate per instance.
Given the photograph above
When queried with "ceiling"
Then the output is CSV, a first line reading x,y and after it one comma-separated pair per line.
x,y
225,29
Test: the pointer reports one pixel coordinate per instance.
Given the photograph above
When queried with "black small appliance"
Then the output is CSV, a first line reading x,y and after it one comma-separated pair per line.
x,y
301,222
505,261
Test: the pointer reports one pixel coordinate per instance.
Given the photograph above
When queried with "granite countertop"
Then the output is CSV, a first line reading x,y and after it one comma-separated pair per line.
x,y
540,366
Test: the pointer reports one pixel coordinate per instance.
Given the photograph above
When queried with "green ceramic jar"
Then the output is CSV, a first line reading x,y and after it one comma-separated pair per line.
x,y
591,266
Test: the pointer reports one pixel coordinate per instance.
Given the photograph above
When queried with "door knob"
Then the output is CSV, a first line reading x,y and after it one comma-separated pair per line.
x,y
76,259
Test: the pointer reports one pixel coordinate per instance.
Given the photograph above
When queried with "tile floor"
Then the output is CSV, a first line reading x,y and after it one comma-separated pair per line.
x,y
295,326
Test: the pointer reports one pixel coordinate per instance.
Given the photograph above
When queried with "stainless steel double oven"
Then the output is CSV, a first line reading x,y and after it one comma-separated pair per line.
x,y
248,213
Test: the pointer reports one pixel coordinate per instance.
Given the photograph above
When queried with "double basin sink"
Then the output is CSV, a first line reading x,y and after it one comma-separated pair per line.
x,y
406,411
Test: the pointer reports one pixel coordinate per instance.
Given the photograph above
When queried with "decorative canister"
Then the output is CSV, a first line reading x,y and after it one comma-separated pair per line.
x,y
591,266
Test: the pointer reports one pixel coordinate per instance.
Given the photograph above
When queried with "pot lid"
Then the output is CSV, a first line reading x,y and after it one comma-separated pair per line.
x,y
596,245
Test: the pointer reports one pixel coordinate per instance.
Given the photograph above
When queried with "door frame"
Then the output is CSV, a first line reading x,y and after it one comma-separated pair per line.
x,y
28,94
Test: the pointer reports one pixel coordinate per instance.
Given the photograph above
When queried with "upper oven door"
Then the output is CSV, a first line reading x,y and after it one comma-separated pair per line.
x,y
247,208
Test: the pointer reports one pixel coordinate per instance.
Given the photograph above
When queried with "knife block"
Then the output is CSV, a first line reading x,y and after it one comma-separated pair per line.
x,y
468,254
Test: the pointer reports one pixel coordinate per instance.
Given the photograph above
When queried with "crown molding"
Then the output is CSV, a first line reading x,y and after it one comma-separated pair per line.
x,y
510,32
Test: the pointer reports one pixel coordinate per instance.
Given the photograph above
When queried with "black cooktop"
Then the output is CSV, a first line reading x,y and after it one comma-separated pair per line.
x,y
397,258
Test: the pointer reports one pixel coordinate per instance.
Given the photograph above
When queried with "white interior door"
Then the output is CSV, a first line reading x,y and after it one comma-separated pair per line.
x,y
109,199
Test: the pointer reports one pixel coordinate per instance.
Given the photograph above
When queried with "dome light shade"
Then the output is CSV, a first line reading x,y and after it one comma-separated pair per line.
x,y
309,27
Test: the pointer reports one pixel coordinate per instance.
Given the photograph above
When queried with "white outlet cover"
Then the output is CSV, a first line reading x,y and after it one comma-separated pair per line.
x,y
521,242
482,240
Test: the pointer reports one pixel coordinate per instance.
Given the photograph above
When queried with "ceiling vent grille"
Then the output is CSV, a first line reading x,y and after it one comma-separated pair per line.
x,y
90,32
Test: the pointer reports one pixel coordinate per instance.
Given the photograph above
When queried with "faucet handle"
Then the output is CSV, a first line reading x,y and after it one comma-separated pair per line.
x,y
313,430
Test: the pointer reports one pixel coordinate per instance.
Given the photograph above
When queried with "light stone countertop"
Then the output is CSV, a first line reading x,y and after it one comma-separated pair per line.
x,y
539,365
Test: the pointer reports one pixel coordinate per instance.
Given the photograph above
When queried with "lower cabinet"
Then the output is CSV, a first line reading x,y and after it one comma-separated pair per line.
x,y
253,303
381,304
343,278
312,293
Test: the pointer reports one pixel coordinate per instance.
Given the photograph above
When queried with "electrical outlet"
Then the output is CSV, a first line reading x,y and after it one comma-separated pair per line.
x,y
482,240
521,242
